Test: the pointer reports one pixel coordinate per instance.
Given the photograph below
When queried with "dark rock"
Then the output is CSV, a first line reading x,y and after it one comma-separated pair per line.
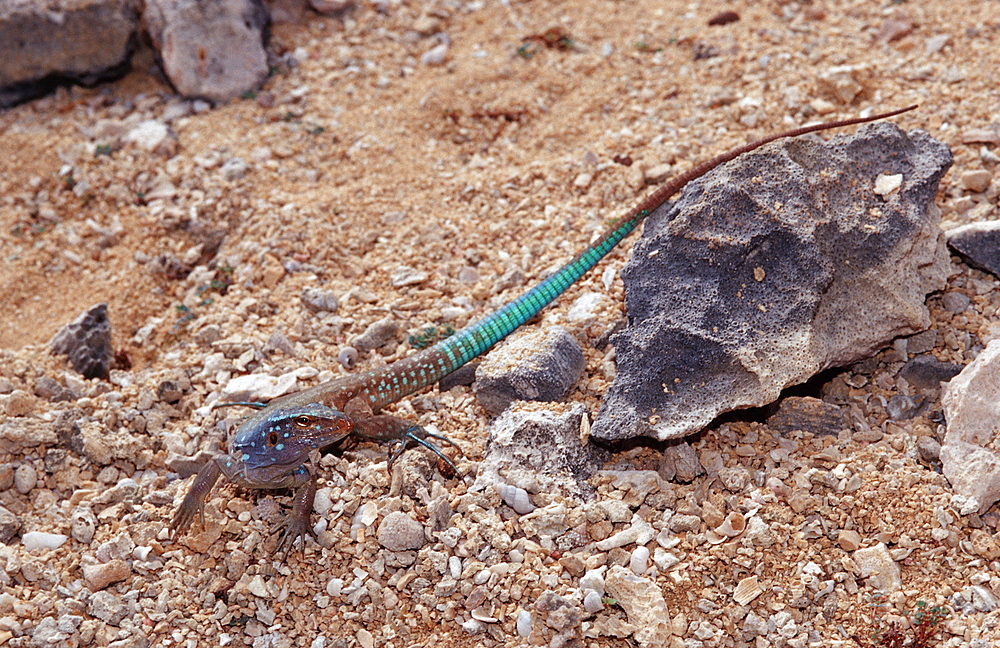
x,y
680,464
978,244
902,408
535,365
809,414
210,50
540,451
464,375
770,269
50,389
87,342
925,373
44,44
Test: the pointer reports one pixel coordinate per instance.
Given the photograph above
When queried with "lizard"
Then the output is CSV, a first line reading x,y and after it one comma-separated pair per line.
x,y
271,448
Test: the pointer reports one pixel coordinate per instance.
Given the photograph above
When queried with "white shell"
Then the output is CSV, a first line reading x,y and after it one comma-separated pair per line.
x,y
733,525
747,590
516,498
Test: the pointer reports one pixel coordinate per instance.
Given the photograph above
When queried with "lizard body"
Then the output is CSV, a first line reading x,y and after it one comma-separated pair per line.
x,y
271,447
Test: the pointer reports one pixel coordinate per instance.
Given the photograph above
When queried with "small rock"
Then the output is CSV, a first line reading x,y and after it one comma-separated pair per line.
x,y
25,478
936,43
399,532
258,388
929,449
377,334
33,540
925,373
849,540
878,566
977,180
537,365
153,136
234,169
407,276
955,302
592,602
212,51
318,300
101,575
87,342
747,590
19,403
107,607
657,173
435,55
680,463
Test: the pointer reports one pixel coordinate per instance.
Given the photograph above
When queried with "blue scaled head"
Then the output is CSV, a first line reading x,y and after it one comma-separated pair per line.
x,y
278,436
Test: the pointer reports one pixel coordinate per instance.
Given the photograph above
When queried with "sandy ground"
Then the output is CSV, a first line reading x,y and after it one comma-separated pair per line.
x,y
359,161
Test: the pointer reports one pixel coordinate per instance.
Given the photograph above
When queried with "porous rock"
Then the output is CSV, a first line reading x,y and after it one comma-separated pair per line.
x,y
81,41
971,402
644,605
210,50
978,244
771,268
536,365
87,342
540,451
879,568
399,532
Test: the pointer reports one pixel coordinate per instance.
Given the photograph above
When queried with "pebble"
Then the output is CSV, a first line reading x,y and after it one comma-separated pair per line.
x,y
849,540
258,387
348,357
977,180
234,169
10,524
319,300
99,576
25,478
886,184
33,540
107,607
83,525
955,302
407,276
593,580
19,403
378,334
399,532
523,624
435,55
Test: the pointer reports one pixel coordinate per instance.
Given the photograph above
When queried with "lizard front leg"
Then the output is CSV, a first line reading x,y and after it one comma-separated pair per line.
x,y
194,501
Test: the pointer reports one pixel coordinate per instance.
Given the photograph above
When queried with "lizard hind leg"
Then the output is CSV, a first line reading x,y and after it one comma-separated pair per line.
x,y
384,428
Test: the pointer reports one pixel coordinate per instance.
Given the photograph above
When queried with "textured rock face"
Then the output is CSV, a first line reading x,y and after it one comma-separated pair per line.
x,y
798,257
210,50
83,41
536,365
87,342
979,245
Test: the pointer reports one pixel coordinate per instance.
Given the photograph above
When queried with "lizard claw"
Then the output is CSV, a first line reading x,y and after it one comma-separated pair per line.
x,y
292,528
419,435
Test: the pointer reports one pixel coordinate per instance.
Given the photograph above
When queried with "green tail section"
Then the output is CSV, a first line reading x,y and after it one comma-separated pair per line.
x,y
477,338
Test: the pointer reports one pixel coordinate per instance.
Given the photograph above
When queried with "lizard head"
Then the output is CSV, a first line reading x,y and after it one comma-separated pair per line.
x,y
280,438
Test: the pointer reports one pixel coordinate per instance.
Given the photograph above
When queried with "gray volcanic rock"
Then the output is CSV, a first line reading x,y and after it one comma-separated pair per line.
x,y
787,261
87,342
44,43
534,365
979,245
210,50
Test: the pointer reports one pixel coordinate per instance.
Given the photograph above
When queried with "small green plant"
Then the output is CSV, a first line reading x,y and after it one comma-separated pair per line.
x,y
102,149
429,336
923,630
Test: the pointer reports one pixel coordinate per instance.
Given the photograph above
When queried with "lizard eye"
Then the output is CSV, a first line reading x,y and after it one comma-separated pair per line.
x,y
302,420
272,439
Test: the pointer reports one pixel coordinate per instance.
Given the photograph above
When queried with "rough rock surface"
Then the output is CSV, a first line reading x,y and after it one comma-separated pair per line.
x,y
87,342
537,365
540,450
979,244
82,41
776,266
643,602
213,50
972,408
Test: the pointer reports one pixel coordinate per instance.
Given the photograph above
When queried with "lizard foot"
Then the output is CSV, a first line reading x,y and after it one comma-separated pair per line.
x,y
419,436
290,529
